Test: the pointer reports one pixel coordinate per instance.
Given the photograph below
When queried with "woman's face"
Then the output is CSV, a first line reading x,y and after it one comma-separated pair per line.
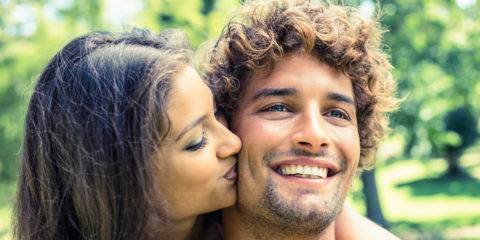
x,y
196,162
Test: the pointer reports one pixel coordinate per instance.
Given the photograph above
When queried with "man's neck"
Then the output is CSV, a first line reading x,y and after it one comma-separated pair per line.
x,y
237,226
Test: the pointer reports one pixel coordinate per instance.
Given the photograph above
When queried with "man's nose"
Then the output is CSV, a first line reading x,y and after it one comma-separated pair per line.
x,y
311,134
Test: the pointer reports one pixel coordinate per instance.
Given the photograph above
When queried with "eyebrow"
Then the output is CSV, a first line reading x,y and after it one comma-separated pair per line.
x,y
190,126
278,92
340,98
275,92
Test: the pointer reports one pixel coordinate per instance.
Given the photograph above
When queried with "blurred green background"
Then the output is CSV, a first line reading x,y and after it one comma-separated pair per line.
x,y
428,169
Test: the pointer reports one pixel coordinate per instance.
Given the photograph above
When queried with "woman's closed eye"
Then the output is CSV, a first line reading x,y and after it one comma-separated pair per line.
x,y
197,145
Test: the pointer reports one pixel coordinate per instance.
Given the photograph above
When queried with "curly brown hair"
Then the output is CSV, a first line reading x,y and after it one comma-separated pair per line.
x,y
266,31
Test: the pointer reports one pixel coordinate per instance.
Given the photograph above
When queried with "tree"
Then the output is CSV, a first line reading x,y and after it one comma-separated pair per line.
x,y
28,38
434,47
372,202
462,122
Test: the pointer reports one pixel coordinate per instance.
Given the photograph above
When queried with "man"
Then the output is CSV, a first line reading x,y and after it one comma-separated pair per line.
x,y
306,87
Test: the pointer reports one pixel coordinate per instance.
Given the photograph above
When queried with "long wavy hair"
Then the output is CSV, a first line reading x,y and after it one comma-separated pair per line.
x,y
262,32
94,122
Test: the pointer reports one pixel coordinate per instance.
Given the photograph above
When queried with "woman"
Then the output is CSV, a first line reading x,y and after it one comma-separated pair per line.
x,y
121,142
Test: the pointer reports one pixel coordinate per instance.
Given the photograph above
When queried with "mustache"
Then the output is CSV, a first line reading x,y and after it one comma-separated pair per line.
x,y
295,152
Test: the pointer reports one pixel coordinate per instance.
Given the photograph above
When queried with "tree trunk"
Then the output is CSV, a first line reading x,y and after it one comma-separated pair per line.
x,y
374,210
453,156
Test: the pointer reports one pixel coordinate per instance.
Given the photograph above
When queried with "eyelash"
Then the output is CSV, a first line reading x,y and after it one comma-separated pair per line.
x,y
197,146
270,108
344,115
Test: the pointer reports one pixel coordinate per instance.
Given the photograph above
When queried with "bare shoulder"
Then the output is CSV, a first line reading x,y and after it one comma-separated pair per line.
x,y
353,226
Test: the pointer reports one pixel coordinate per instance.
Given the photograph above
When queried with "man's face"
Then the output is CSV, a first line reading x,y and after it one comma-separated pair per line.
x,y
300,143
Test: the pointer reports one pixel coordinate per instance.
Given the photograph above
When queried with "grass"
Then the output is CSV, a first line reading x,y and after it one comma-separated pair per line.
x,y
420,203
417,201
7,196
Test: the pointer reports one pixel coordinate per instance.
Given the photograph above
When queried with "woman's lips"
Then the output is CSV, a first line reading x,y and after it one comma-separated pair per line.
x,y
232,173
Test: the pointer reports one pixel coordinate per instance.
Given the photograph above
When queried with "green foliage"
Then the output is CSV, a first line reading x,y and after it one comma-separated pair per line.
x,y
7,193
420,202
462,122
201,20
435,48
25,47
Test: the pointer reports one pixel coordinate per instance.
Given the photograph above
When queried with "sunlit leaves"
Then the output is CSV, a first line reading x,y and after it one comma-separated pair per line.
x,y
434,46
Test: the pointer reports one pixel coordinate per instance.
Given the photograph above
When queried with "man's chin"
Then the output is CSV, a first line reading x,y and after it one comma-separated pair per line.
x,y
303,212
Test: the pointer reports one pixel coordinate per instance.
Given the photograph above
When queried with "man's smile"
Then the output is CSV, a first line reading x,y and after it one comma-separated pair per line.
x,y
306,167
303,171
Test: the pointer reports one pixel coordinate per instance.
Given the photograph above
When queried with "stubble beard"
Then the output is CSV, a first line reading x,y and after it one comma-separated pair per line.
x,y
275,215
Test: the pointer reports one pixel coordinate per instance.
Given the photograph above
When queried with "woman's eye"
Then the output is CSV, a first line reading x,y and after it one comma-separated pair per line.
x,y
197,145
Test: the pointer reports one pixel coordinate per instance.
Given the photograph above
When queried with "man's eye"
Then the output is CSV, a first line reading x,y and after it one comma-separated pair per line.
x,y
338,114
276,108
276,111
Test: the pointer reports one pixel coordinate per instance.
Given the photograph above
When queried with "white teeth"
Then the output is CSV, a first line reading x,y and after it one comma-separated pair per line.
x,y
303,171
299,169
307,170
293,169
